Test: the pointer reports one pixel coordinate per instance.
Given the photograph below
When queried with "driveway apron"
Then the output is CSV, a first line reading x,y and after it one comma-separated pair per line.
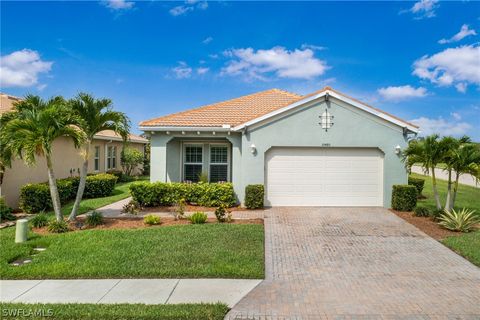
x,y
357,263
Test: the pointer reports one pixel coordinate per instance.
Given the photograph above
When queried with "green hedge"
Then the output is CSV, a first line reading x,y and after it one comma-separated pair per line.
x,y
404,197
254,194
418,183
149,194
35,197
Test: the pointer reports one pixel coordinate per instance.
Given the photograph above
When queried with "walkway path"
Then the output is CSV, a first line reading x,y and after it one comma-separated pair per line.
x,y
147,291
357,263
467,179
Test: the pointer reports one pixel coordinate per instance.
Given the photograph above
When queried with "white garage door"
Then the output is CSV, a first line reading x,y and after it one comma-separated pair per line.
x,y
324,177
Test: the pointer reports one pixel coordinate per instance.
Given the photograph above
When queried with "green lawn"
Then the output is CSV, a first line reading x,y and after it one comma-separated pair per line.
x,y
182,251
114,311
467,197
467,245
121,192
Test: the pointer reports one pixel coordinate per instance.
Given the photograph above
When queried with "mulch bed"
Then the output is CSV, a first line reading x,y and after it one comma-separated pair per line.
x,y
427,225
135,223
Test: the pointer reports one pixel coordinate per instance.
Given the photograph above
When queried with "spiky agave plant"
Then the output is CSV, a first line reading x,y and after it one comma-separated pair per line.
x,y
463,220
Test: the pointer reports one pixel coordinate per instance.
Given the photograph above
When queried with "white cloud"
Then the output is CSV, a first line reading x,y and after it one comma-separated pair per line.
x,y
313,47
424,9
299,64
402,93
464,32
202,70
119,4
22,68
441,126
456,116
182,71
453,66
207,40
190,5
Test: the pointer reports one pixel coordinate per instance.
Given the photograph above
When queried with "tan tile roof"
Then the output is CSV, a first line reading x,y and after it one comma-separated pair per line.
x,y
232,112
110,134
239,110
7,101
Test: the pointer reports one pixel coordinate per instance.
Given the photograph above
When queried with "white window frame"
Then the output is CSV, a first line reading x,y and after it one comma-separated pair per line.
x,y
96,157
216,144
111,156
184,156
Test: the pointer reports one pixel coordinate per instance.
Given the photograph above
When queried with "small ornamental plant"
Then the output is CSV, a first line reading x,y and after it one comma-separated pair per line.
x,y
151,219
464,220
40,220
198,218
179,210
133,207
223,214
94,219
55,226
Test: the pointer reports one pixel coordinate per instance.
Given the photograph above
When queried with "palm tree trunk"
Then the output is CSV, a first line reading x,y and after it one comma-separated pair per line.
x,y
455,189
435,191
57,207
81,185
448,202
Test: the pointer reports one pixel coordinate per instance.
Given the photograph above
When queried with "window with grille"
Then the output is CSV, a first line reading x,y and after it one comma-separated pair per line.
x,y
193,162
218,163
111,157
97,158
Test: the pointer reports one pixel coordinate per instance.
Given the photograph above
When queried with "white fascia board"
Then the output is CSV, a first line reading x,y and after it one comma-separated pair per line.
x,y
118,139
332,94
203,129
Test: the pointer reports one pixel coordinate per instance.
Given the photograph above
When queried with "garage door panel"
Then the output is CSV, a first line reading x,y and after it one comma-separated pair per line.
x,y
324,177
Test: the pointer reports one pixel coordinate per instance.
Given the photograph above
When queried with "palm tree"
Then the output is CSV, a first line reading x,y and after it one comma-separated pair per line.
x,y
466,161
5,150
31,130
429,152
451,146
94,115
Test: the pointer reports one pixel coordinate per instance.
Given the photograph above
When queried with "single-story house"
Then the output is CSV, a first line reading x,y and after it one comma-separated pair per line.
x,y
320,149
105,155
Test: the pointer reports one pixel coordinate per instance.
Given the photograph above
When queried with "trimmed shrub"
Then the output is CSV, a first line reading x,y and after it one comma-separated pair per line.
x,y
404,197
421,212
40,220
418,183
151,219
5,211
99,185
198,218
36,197
254,194
164,194
55,226
463,221
94,219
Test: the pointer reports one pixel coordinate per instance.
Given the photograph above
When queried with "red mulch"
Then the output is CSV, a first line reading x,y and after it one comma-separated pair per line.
x,y
136,223
427,225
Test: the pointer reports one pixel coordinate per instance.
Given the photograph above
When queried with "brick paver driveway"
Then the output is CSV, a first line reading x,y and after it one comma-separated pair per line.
x,y
357,263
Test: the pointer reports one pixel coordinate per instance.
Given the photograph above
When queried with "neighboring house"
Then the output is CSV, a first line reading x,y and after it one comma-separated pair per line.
x,y
321,149
105,155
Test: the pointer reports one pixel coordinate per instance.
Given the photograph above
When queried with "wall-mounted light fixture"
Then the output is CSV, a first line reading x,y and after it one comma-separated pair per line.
x,y
398,149
253,149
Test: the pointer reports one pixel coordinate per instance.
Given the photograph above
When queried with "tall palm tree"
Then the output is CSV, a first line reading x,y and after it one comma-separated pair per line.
x,y
429,152
5,150
466,161
94,115
33,127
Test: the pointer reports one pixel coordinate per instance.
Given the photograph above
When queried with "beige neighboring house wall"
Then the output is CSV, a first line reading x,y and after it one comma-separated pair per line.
x,y
67,159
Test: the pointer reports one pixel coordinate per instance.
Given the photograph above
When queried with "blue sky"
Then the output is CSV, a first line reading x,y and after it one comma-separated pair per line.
x,y
417,60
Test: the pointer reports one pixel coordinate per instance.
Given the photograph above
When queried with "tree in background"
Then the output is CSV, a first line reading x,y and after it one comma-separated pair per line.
x,y
94,115
130,158
31,129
